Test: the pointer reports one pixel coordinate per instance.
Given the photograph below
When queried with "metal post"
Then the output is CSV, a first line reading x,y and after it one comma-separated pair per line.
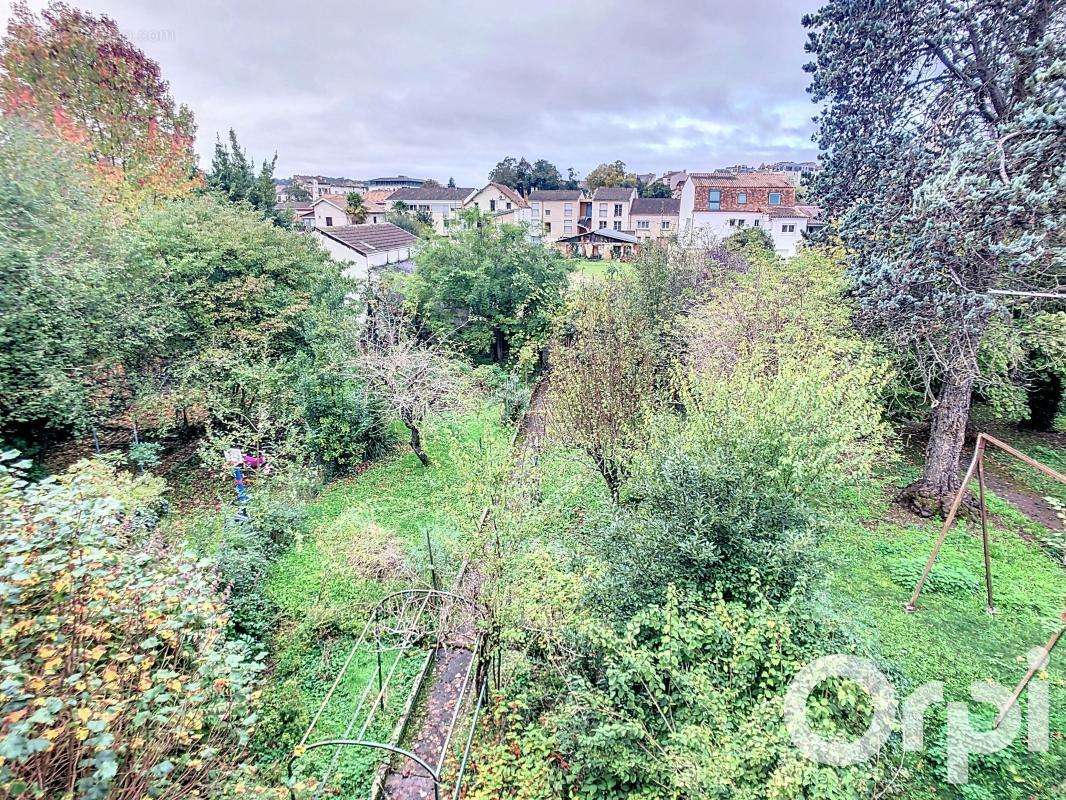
x,y
381,685
911,604
1054,640
432,563
984,530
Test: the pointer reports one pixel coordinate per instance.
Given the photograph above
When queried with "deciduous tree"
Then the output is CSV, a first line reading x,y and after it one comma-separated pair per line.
x,y
412,375
489,284
613,174
77,73
604,381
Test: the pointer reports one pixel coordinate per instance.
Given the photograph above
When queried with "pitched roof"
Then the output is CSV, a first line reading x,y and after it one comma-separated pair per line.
x,y
429,194
296,206
555,194
376,199
607,233
339,201
746,180
510,194
613,193
656,206
367,239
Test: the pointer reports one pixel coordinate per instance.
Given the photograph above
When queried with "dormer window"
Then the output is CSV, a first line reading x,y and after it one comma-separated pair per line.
x,y
775,198
714,200
742,198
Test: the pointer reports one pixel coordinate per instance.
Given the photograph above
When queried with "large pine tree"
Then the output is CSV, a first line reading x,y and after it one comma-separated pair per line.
x,y
943,133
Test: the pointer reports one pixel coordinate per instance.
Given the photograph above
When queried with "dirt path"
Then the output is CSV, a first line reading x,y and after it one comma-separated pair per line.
x,y
407,780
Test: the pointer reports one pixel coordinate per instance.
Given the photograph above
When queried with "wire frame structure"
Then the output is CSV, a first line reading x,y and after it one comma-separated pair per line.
x,y
977,466
416,623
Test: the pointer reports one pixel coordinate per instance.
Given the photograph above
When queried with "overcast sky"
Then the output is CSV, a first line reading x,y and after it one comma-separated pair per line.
x,y
446,89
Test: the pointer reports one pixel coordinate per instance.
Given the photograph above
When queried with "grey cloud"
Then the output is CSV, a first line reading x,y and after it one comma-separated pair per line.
x,y
447,89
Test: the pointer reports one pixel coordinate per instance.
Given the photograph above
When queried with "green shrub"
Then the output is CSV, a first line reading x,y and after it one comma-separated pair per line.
x,y
684,702
345,421
119,678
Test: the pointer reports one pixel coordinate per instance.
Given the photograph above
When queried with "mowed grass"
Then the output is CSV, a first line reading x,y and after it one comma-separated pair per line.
x,y
366,536
874,565
587,268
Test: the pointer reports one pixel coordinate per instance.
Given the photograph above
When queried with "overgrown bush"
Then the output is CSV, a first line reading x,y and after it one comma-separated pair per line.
x,y
119,678
685,701
346,423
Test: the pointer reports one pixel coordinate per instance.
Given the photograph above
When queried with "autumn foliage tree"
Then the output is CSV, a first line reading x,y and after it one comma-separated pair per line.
x,y
944,143
78,73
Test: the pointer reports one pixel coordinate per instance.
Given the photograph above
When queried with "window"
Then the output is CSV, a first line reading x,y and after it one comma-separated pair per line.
x,y
568,228
547,227
536,209
618,226
666,225
568,209
742,198
788,229
643,224
603,209
714,200
603,223
756,223
329,222
775,198
618,209
547,212
492,205
508,206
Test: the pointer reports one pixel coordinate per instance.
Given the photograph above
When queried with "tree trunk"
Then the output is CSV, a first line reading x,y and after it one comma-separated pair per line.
x,y
416,443
1044,396
933,493
500,347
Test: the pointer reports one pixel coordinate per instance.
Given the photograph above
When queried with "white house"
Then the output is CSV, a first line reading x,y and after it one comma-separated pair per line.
x,y
494,197
442,203
717,204
368,248
330,212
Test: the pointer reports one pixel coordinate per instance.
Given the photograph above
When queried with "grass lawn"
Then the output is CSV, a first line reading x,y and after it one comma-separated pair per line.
x,y
365,536
875,563
585,268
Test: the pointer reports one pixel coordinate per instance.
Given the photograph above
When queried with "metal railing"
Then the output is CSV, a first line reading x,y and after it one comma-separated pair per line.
x,y
977,465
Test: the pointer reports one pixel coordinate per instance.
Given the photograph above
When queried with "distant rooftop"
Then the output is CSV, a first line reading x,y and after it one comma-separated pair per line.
x,y
367,239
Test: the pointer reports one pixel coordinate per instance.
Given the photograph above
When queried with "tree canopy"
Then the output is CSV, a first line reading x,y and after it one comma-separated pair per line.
x,y
612,174
943,152
524,177
79,74
489,286
233,174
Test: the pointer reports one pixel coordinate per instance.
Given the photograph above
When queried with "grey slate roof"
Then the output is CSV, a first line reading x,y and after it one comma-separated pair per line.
x,y
367,239
431,194
549,195
656,206
607,233
616,193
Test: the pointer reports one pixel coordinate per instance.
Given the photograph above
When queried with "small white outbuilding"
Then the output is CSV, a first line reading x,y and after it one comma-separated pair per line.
x,y
368,248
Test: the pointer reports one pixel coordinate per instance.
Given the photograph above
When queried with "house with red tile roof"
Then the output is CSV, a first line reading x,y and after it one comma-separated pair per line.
x,y
716,204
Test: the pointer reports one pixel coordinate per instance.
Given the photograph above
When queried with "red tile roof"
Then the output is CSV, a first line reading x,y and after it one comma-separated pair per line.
x,y
746,180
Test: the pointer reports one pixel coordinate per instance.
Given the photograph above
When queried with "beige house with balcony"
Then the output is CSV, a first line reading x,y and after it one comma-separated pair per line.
x,y
559,212
654,217
610,208
442,203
